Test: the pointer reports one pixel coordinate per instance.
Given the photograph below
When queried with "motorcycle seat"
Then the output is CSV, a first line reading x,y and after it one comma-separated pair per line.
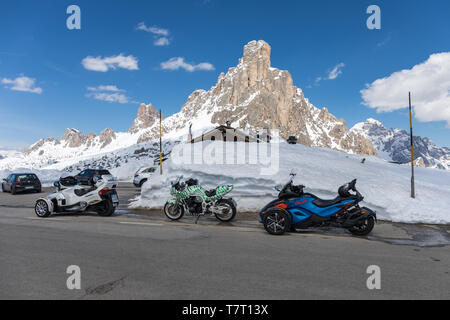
x,y
211,193
327,203
82,192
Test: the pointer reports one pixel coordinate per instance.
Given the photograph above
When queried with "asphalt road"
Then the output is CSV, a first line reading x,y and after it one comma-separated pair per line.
x,y
131,256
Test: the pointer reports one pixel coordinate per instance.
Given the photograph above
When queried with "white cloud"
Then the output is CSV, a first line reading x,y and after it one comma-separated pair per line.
x,y
333,74
105,88
428,82
22,83
336,72
110,97
159,33
161,42
108,93
104,64
179,63
155,30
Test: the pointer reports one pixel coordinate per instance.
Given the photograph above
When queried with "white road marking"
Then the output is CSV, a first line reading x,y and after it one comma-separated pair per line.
x,y
46,219
143,224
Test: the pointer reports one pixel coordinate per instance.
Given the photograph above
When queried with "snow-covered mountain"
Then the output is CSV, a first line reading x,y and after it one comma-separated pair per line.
x,y
5,153
252,95
394,145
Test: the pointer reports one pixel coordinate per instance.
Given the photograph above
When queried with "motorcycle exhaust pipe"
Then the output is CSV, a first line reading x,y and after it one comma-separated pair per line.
x,y
79,207
353,222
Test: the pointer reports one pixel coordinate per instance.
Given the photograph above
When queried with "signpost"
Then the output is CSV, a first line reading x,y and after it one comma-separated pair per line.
x,y
160,142
413,192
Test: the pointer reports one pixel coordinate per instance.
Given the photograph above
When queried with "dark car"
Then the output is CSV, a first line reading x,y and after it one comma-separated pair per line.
x,y
85,177
19,182
292,140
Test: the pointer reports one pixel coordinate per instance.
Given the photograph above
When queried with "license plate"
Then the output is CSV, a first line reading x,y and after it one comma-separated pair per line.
x,y
29,188
114,198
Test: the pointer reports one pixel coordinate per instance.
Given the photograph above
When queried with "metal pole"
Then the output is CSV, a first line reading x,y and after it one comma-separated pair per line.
x,y
413,192
160,142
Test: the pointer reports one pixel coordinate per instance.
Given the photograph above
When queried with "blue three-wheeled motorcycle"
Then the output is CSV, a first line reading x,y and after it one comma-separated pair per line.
x,y
295,209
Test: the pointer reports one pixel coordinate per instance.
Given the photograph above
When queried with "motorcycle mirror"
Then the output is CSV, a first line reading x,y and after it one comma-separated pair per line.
x,y
293,173
278,188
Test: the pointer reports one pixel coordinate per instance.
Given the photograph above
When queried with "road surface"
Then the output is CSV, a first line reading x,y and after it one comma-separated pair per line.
x,y
139,255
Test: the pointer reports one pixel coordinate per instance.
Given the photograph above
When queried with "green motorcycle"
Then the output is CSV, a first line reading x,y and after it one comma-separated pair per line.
x,y
191,199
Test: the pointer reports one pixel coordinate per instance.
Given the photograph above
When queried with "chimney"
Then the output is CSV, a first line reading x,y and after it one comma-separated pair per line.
x,y
190,134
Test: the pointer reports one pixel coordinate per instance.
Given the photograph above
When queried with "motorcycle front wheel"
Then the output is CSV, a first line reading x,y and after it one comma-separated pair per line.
x,y
228,210
41,209
173,211
277,222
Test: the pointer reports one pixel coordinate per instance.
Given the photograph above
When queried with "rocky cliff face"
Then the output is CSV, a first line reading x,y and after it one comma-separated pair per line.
x,y
394,145
73,138
146,118
255,95
106,137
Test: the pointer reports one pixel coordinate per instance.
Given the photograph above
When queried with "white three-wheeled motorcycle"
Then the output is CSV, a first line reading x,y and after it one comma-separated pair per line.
x,y
100,197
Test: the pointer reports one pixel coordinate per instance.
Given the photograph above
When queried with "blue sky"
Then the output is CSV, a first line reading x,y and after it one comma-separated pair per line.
x,y
308,38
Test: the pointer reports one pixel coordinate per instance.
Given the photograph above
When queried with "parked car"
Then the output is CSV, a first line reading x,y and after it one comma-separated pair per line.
x,y
19,182
143,175
86,177
292,140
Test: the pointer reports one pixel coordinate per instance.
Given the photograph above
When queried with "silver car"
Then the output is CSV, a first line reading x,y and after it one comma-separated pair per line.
x,y
143,175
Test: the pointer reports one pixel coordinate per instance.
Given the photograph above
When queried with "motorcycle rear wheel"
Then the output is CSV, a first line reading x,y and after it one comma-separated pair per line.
x,y
173,211
231,211
365,228
105,209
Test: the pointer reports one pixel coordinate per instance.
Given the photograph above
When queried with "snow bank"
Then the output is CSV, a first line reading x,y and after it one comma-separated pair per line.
x,y
386,186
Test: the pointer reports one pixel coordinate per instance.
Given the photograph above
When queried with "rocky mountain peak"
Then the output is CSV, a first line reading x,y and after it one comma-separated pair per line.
x,y
374,122
73,138
106,137
370,127
255,95
257,52
68,133
146,117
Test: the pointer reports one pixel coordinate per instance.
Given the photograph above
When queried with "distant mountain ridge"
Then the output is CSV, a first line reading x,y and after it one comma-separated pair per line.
x,y
394,145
